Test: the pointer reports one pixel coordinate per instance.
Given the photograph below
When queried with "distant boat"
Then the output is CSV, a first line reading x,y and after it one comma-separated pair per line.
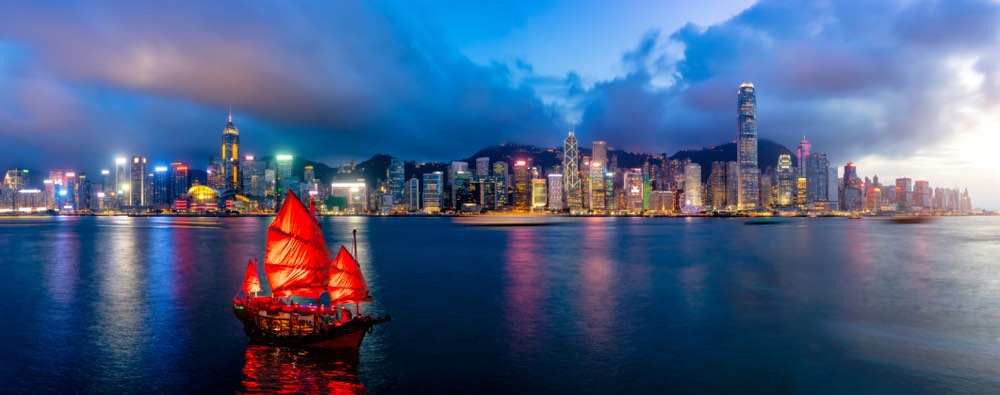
x,y
506,220
766,220
298,264
853,217
910,219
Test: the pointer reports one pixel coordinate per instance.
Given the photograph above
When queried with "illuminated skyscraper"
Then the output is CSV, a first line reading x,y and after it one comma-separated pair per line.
x,y
179,181
461,190
253,171
502,174
396,179
137,182
571,172
521,185
539,196
85,193
632,182
283,173
833,187
692,185
555,192
852,189
818,169
800,191
732,184
482,167
598,170
803,154
230,156
161,187
121,182
105,191
904,193
717,185
746,143
922,194
411,194
433,187
786,181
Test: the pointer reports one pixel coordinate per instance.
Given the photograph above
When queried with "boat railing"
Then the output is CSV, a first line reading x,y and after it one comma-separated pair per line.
x,y
281,319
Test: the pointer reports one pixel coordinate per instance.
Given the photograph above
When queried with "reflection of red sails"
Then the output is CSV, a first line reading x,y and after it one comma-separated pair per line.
x,y
299,264
270,370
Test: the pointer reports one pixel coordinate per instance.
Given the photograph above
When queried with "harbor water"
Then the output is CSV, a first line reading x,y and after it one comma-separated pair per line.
x,y
589,305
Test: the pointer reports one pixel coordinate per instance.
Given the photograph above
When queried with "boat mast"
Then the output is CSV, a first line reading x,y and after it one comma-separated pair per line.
x,y
354,234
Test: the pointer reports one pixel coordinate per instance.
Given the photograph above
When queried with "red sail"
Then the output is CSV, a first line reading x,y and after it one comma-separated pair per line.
x,y
297,262
347,284
251,283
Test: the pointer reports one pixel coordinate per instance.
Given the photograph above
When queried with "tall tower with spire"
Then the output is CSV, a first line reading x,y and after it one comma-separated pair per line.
x,y
803,154
230,155
748,176
571,172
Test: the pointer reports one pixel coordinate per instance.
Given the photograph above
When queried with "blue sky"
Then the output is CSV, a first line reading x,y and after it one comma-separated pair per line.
x,y
899,88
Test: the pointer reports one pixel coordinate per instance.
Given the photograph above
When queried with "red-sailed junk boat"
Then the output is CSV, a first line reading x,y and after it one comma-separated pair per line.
x,y
299,264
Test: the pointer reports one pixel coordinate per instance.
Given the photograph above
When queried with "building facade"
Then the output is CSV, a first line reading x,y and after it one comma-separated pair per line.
x,y
746,147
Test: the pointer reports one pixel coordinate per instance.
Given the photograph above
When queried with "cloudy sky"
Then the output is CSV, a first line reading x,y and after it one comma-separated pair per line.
x,y
899,88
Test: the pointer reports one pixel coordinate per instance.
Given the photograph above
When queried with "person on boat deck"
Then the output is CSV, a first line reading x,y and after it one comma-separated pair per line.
x,y
345,314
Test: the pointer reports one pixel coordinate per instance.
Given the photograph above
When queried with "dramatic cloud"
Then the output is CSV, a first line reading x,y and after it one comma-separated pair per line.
x,y
858,78
329,78
875,82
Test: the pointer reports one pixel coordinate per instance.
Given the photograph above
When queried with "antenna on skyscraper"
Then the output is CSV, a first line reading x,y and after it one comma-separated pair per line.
x,y
230,113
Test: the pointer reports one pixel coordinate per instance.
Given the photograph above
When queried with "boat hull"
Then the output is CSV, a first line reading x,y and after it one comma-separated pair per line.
x,y
267,330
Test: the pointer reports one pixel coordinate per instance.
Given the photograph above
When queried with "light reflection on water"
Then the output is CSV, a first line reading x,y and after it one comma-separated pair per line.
x,y
592,305
270,370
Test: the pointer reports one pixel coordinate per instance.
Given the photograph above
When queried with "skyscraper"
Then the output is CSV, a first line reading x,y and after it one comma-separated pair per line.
x,y
733,184
746,143
717,185
598,170
539,197
483,167
571,172
833,191
397,178
161,187
803,154
432,191
283,174
817,171
411,194
461,190
786,180
121,182
852,189
632,183
230,156
692,184
179,181
252,171
502,174
137,182
521,185
904,193
555,192
922,194
105,191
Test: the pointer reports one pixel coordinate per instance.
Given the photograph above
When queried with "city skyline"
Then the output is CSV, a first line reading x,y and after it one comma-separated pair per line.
x,y
251,184
906,93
